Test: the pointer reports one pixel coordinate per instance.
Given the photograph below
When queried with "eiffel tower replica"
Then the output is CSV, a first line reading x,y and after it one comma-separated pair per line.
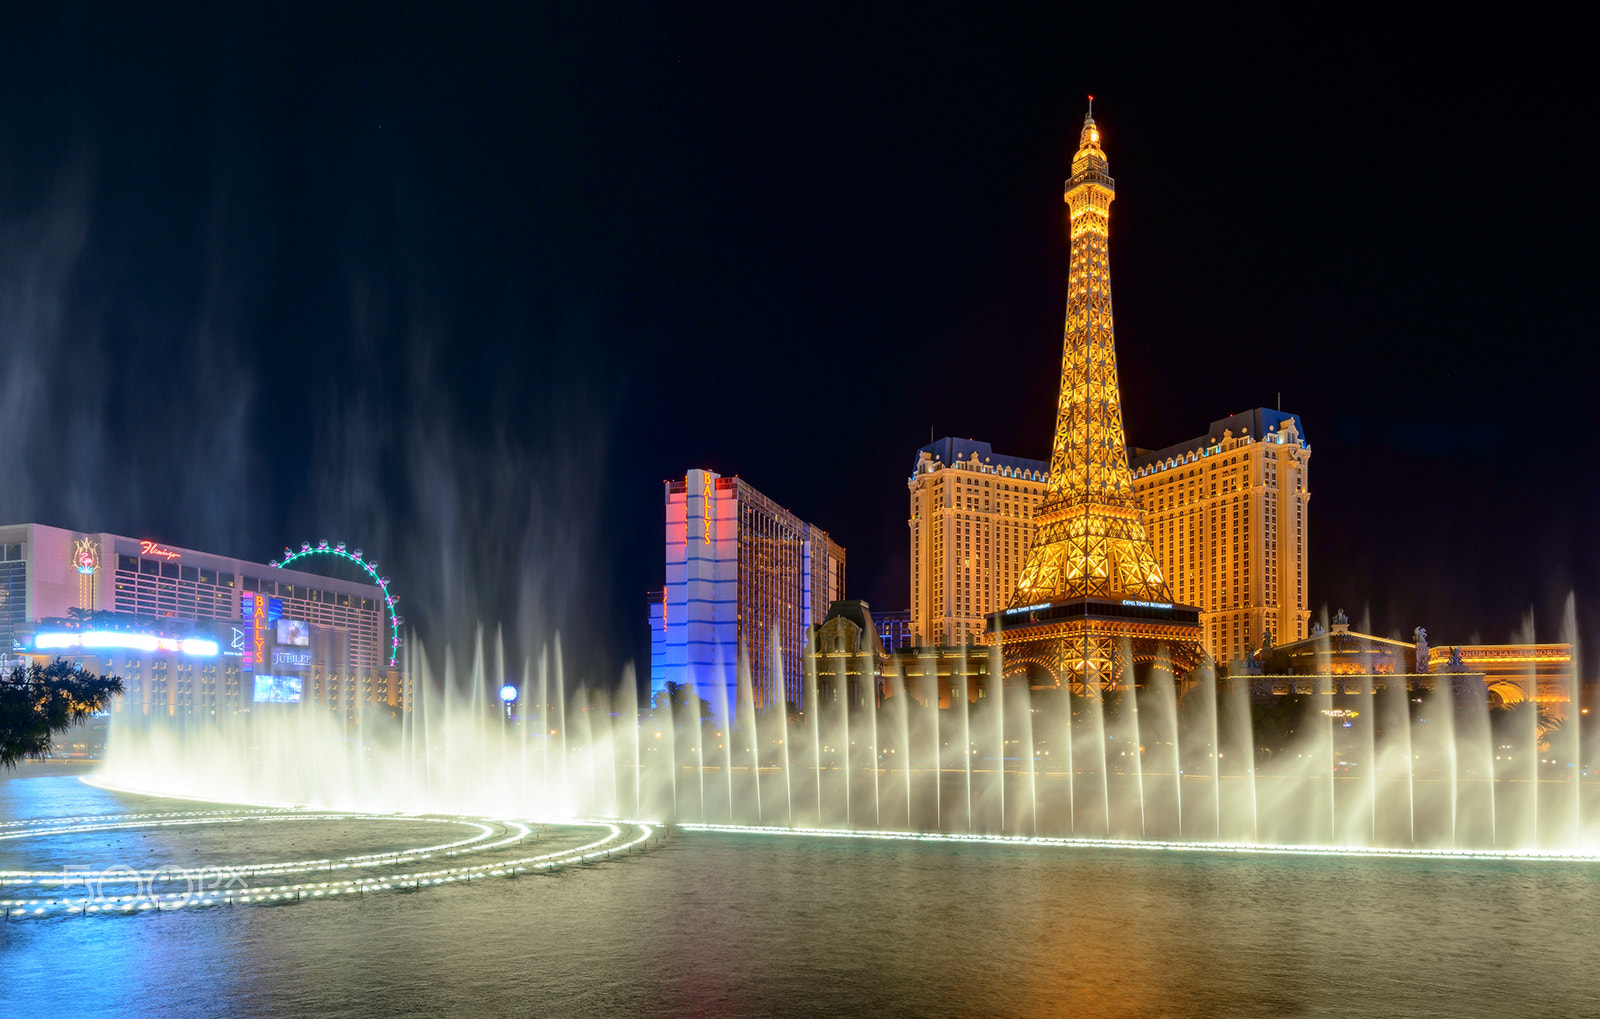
x,y
1091,599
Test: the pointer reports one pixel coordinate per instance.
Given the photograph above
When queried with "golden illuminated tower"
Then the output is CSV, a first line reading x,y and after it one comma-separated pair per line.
x,y
1090,585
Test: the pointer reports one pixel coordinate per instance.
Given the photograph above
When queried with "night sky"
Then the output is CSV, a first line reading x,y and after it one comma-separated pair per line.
x,y
463,287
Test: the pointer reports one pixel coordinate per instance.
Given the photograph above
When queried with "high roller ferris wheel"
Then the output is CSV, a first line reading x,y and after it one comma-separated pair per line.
x,y
340,551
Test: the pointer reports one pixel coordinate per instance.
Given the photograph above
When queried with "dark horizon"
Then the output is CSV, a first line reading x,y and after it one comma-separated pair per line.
x,y
464,288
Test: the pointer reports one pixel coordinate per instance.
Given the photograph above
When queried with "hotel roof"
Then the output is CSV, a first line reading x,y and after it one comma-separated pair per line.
x,y
1257,424
949,450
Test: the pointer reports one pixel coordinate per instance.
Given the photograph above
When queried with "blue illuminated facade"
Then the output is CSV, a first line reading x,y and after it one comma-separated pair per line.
x,y
745,580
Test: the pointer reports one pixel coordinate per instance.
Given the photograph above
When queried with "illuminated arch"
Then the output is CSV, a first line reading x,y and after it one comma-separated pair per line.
x,y
371,569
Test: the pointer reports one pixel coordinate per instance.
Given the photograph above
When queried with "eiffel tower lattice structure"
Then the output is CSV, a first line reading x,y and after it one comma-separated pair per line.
x,y
1091,599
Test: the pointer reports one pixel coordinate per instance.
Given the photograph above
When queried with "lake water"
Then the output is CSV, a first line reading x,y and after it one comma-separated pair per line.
x,y
752,925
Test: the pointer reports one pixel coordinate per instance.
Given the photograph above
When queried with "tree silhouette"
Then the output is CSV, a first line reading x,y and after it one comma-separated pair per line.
x,y
685,703
38,701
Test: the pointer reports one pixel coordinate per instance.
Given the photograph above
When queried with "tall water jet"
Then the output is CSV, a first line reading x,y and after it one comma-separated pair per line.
x,y
1330,760
966,725
723,717
1159,727
934,737
901,710
1367,739
750,752
545,729
1242,747
588,765
667,734
694,721
1206,690
628,710
843,740
441,726
994,732
875,753
1567,742
814,723
1017,720
562,725
1434,743
1122,728
1396,716
1525,739
1100,755
1064,724
781,692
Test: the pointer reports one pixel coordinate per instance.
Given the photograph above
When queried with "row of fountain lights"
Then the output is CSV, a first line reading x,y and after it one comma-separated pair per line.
x,y
610,844
354,556
607,845
1266,849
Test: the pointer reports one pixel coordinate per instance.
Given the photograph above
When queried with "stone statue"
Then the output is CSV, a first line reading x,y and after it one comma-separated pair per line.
x,y
1341,619
1421,637
1456,664
1266,642
1316,629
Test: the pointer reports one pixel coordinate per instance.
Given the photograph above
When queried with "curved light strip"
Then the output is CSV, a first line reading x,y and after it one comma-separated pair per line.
x,y
371,569
619,837
65,826
1186,847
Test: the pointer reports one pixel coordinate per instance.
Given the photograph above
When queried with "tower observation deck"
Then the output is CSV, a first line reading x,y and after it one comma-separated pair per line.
x,y
1091,599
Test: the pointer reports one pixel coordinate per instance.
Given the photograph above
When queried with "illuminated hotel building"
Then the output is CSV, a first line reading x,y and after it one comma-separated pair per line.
x,y
1225,513
192,633
741,572
971,522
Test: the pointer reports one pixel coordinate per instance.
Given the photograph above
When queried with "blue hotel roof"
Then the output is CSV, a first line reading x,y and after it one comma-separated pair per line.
x,y
948,450
1260,423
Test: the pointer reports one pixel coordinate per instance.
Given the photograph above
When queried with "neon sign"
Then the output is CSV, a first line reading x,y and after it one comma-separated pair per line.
x,y
259,612
710,505
1147,604
1028,608
255,612
150,548
86,556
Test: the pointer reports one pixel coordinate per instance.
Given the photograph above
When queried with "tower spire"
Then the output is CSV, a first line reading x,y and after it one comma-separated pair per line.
x,y
1090,135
